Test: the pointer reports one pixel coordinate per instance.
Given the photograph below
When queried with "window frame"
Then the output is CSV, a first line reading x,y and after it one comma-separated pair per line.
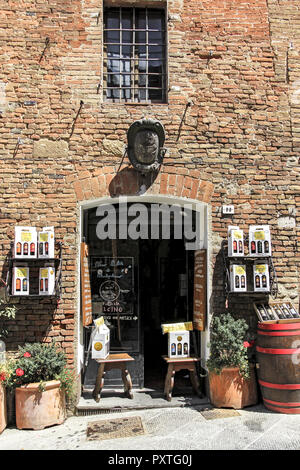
x,y
135,89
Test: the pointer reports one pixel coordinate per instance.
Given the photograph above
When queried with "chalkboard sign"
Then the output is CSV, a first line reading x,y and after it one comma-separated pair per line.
x,y
113,284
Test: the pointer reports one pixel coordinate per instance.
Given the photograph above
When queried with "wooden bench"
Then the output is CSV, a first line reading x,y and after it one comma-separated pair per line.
x,y
113,361
177,364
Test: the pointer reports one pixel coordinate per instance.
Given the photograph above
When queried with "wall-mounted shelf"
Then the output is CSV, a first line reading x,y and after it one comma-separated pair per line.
x,y
248,261
35,264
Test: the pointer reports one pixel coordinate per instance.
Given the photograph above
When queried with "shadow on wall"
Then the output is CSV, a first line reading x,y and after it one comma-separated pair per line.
x,y
218,297
130,182
34,317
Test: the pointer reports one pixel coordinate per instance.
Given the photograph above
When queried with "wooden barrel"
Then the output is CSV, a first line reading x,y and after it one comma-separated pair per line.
x,y
278,357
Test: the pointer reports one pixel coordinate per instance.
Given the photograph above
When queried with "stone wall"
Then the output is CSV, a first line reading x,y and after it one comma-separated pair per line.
x,y
232,132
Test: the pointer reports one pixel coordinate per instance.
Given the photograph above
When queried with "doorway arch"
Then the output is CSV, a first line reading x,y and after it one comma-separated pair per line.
x,y
203,210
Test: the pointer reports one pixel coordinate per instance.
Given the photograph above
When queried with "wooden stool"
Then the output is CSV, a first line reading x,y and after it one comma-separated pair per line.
x,y
113,361
174,365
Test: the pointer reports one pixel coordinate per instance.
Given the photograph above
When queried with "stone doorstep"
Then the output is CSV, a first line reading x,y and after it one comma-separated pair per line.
x,y
113,400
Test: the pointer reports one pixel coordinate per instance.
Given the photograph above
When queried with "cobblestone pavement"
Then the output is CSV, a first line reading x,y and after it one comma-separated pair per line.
x,y
183,429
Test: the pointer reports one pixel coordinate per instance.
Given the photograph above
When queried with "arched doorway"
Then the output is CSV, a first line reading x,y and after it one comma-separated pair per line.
x,y
158,256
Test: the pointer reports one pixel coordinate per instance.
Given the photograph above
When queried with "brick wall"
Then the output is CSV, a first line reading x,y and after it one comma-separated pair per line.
x,y
236,143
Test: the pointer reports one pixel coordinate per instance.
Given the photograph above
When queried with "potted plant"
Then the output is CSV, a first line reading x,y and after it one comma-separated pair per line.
x,y
7,312
41,381
232,380
5,371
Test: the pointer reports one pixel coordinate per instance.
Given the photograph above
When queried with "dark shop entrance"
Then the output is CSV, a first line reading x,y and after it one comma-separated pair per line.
x,y
137,285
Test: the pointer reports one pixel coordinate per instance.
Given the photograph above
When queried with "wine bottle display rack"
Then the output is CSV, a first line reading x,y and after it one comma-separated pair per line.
x,y
276,312
32,281
271,287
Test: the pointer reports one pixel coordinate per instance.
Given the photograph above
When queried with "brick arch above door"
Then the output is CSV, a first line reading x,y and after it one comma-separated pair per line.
x,y
170,180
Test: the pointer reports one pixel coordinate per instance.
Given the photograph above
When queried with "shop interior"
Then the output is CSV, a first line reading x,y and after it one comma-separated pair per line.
x,y
138,285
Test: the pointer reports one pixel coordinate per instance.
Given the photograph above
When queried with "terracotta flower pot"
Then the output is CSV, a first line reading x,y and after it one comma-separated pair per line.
x,y
3,412
37,410
230,390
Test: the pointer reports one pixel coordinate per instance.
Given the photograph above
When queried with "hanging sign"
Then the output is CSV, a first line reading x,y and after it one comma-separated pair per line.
x,y
86,298
199,315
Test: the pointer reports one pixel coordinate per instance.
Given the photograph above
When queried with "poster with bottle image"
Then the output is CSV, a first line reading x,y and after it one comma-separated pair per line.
x,y
20,280
25,245
261,278
46,243
235,241
238,281
260,240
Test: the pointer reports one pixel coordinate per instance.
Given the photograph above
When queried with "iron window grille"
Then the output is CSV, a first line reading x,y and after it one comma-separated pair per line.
x,y
134,67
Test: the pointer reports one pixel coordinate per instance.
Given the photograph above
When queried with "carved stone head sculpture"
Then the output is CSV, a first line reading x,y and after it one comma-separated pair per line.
x,y
145,144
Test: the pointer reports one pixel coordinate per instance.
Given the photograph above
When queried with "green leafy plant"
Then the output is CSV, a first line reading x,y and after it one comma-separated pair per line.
x,y
228,347
6,369
39,363
7,312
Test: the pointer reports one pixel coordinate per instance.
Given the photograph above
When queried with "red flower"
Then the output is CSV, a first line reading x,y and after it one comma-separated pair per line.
x,y
19,372
2,376
248,344
27,354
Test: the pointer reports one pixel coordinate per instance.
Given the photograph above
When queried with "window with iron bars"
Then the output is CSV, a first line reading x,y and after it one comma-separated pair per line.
x,y
134,66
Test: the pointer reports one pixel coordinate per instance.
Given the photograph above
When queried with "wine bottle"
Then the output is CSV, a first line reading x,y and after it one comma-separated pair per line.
x,y
32,249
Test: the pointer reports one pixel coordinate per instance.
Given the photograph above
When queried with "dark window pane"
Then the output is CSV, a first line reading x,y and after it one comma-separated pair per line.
x,y
126,80
155,66
112,19
156,95
142,95
155,37
126,51
112,36
156,19
140,51
142,66
113,66
125,66
113,51
126,94
155,52
140,18
126,37
155,81
113,94
142,80
113,80
140,37
126,20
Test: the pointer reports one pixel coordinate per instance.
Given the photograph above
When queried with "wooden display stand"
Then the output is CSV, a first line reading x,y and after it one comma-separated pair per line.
x,y
177,364
113,361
